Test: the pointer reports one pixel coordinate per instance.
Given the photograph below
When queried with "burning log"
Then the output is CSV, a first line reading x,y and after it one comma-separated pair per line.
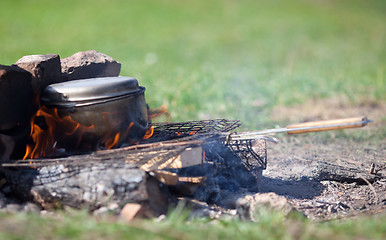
x,y
124,174
96,180
91,186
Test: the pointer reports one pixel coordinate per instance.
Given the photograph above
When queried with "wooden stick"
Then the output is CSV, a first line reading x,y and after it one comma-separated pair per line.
x,y
303,128
327,125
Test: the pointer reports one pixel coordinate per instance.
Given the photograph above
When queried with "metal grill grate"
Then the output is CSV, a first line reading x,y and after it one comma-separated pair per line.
x,y
183,129
253,153
168,141
136,155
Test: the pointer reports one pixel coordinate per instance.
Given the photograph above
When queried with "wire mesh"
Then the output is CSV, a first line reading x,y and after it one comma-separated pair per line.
x,y
178,136
183,129
253,153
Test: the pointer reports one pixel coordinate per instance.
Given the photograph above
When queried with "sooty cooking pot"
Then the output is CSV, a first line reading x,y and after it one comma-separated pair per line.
x,y
102,106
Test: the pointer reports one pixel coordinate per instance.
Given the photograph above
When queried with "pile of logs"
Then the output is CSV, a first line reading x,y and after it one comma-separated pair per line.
x,y
151,176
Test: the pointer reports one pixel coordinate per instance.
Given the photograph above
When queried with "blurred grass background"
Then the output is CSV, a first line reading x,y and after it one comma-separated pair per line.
x,y
211,59
215,59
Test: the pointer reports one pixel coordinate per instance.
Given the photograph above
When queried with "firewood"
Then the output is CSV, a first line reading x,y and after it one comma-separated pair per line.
x,y
91,186
130,211
331,172
166,177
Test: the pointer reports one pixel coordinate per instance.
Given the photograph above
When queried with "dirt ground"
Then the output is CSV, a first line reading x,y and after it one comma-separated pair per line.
x,y
327,175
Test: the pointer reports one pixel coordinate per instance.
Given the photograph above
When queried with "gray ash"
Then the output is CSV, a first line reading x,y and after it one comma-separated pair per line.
x,y
226,174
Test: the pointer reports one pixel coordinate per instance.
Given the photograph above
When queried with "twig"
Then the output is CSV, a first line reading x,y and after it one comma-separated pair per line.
x,y
371,187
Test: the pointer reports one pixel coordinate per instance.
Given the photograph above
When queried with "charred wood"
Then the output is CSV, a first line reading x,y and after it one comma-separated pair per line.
x,y
7,145
331,172
90,187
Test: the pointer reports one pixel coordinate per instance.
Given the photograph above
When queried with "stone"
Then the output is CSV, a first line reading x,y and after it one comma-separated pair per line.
x,y
272,200
31,208
45,69
248,205
16,96
90,64
13,208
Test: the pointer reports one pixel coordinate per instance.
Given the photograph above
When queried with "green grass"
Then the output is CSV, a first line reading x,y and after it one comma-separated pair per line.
x,y
268,225
210,59
215,59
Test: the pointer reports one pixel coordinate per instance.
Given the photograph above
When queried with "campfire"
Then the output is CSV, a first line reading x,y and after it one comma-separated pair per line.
x,y
98,127
92,142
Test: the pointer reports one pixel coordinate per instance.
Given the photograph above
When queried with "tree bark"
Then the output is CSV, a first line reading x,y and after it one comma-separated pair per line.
x,y
90,186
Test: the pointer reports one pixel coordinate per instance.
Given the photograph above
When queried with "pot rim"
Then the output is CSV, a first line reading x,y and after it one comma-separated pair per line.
x,y
83,103
90,89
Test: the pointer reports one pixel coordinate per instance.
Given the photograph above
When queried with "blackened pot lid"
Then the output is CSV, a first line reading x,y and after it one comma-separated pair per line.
x,y
90,89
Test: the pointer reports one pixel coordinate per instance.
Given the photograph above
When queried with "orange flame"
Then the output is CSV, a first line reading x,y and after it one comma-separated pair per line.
x,y
158,112
46,124
43,138
149,133
110,143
